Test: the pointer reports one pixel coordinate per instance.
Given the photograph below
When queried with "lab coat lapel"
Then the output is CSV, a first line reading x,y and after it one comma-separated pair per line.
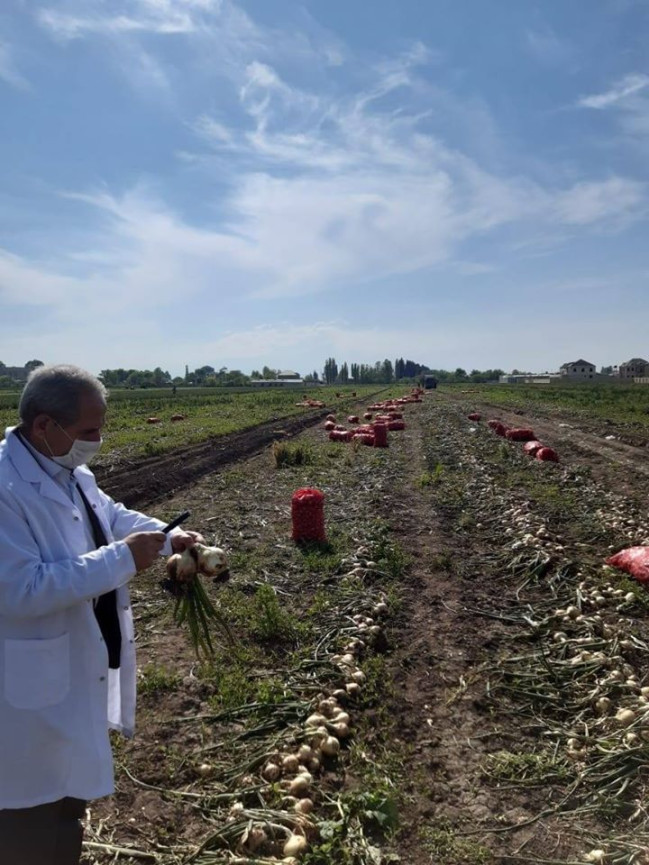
x,y
28,468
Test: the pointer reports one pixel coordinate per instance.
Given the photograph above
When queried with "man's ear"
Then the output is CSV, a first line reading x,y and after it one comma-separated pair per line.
x,y
39,426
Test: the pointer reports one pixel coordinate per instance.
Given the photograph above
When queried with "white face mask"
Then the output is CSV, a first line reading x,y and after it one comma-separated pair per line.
x,y
81,452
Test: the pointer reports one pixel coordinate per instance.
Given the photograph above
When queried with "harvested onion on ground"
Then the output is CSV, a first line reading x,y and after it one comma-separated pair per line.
x,y
193,605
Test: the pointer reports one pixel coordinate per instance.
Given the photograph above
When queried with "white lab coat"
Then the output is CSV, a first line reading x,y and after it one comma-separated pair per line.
x,y
57,696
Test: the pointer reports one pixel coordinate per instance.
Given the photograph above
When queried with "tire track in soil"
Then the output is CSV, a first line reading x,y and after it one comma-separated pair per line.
x,y
150,480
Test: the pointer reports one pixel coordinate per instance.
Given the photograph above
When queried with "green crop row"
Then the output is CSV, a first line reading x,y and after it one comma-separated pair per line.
x,y
207,412
620,403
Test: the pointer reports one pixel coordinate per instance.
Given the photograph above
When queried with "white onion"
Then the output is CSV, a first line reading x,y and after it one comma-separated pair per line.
x,y
271,772
290,763
330,746
295,845
304,753
300,785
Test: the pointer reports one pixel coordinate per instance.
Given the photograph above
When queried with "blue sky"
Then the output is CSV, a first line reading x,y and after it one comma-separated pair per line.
x,y
275,182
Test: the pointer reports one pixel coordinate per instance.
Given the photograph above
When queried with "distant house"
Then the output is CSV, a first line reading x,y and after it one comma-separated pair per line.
x,y
285,378
526,378
637,367
578,370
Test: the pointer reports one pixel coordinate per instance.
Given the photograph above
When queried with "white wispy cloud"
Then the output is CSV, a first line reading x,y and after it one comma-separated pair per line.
x,y
591,201
315,189
9,72
547,47
622,89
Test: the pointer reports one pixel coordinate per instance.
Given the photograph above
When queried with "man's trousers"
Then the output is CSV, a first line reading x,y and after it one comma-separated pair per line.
x,y
48,834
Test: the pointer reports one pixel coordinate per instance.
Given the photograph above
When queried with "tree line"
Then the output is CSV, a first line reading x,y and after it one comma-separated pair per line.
x,y
386,372
381,372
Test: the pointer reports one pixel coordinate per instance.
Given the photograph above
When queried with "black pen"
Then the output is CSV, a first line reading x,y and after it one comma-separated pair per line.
x,y
179,519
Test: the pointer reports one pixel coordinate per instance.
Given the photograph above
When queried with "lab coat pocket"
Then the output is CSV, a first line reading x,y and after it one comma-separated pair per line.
x,y
37,672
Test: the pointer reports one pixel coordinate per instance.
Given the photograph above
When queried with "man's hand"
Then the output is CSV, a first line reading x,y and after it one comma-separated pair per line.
x,y
182,540
145,548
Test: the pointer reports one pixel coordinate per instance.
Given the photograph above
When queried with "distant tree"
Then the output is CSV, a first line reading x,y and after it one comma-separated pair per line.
x,y
199,375
160,378
235,378
606,370
387,371
256,374
32,364
330,370
269,373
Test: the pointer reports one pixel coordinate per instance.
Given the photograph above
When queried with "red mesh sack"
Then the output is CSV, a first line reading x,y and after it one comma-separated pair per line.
x,y
365,439
353,418
532,447
331,417
380,435
368,415
341,435
307,512
499,428
547,455
633,560
395,424
520,434
474,416
329,425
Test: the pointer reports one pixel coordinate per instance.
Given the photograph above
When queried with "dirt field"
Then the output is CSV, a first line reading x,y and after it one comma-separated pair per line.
x,y
477,735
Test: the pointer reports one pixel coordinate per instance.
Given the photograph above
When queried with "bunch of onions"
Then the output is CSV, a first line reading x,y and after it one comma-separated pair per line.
x,y
193,605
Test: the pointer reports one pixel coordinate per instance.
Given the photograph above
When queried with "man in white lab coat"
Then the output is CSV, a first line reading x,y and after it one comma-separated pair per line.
x,y
67,653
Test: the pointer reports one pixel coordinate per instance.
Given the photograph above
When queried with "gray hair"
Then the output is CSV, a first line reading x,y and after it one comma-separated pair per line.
x,y
56,391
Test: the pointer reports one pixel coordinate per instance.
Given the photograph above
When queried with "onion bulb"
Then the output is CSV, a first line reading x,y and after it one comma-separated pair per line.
x,y
303,806
295,845
330,746
602,705
300,785
253,838
182,567
341,730
304,753
290,763
271,772
625,717
212,561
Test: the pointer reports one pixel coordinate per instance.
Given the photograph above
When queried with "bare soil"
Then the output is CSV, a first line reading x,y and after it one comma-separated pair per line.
x,y
434,724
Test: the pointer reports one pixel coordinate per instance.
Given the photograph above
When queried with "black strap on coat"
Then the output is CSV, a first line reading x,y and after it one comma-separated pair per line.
x,y
106,605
